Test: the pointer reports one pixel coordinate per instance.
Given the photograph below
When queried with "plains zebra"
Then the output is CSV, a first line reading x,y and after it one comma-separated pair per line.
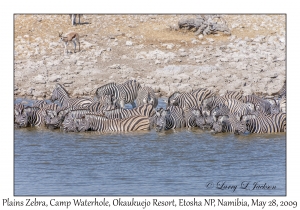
x,y
274,107
171,118
201,94
191,115
102,103
233,95
260,104
231,124
185,101
127,93
146,95
282,104
60,94
239,108
39,103
212,102
144,110
107,89
102,124
172,97
18,108
261,123
33,116
205,122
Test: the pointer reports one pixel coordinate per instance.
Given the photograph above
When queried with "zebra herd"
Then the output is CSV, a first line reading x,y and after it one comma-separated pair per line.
x,y
106,112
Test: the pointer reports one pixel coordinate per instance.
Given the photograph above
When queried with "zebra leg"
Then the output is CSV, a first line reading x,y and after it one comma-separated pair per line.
x,y
73,19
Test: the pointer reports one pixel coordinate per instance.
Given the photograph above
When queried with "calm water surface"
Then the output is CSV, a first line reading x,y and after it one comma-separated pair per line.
x,y
180,162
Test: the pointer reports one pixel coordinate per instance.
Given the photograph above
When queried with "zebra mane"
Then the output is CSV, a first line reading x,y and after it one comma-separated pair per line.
x,y
61,87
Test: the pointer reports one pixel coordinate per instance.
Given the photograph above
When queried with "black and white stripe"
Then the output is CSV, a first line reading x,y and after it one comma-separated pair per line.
x,y
146,95
201,94
261,123
60,94
144,110
102,124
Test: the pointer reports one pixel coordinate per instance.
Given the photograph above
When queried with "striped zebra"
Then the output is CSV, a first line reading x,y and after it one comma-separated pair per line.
x,y
146,95
60,94
261,123
201,94
230,124
239,108
212,102
39,103
172,97
191,115
127,93
107,89
144,110
260,104
282,104
205,122
274,107
233,95
44,105
171,118
33,116
185,101
102,124
18,108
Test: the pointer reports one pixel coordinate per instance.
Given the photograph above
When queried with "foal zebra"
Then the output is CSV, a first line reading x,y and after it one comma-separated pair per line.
x,y
60,94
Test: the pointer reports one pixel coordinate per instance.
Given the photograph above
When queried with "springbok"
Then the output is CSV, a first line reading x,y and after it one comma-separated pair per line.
x,y
71,36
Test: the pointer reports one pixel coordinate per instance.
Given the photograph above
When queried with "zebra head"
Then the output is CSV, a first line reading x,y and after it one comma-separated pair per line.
x,y
21,120
200,122
82,124
52,120
161,120
69,124
217,127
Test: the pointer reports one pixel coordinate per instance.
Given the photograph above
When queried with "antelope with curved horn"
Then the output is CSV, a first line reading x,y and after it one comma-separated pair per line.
x,y
69,37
